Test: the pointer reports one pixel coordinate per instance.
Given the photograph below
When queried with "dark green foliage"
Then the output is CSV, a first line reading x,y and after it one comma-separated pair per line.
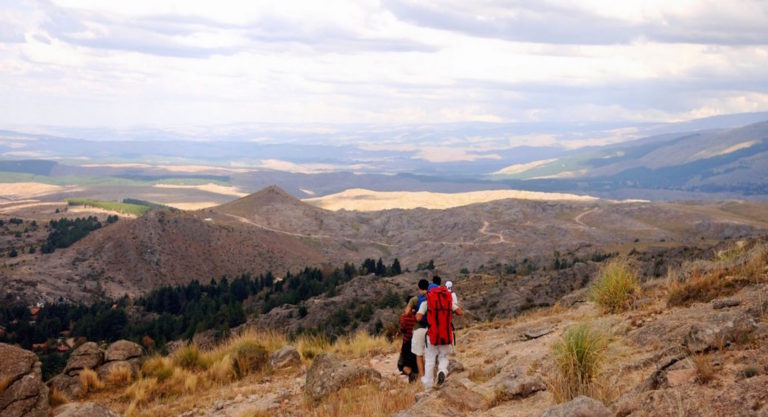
x,y
112,219
64,232
13,253
426,265
15,220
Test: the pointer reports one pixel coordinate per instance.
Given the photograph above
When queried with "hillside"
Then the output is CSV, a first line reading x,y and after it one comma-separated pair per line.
x,y
732,160
271,230
692,342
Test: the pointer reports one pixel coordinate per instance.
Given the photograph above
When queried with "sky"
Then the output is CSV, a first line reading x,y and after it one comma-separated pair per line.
x,y
166,63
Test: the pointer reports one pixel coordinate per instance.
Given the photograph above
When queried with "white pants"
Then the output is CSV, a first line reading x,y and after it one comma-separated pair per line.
x,y
439,353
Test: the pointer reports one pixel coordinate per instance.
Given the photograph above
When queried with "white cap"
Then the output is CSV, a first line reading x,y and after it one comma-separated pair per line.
x,y
449,284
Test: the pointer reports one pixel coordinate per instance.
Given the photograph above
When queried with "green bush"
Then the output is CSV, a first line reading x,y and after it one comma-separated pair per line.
x,y
578,355
615,287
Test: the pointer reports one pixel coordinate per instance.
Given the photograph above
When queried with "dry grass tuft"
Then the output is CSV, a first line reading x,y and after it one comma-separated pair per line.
x,y
310,346
119,376
140,391
189,357
705,371
615,288
89,381
158,367
363,401
735,269
363,345
579,356
223,370
57,398
5,382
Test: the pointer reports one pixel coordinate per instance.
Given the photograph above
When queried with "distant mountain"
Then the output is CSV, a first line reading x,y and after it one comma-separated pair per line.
x,y
721,160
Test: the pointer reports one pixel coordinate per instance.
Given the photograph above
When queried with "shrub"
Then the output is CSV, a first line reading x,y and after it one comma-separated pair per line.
x,y
310,346
614,288
705,372
578,356
190,357
250,357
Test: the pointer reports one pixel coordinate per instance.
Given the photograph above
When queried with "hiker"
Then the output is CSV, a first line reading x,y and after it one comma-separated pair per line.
x,y
455,301
406,363
436,282
418,341
438,310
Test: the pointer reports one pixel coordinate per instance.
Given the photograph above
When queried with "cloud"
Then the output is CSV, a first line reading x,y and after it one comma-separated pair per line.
x,y
595,22
170,63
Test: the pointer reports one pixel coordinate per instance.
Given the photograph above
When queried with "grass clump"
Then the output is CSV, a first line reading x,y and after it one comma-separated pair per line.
x,y
310,346
119,376
615,288
57,398
189,357
720,278
579,356
158,367
705,371
89,381
362,345
250,357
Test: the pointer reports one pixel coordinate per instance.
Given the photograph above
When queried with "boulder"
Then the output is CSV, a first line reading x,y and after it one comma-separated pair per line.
x,y
24,394
122,350
84,410
328,373
578,407
88,355
457,395
519,386
69,385
713,334
286,357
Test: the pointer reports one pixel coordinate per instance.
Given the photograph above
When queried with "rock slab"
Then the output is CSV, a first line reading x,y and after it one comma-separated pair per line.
x,y
580,406
84,410
24,395
328,373
286,357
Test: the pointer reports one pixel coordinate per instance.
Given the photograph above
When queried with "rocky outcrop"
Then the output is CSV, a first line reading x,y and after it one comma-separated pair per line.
x,y
717,333
578,407
519,386
22,392
84,410
452,399
328,373
88,355
120,354
286,357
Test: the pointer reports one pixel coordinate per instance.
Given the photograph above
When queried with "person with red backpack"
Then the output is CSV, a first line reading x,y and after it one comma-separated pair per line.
x,y
438,310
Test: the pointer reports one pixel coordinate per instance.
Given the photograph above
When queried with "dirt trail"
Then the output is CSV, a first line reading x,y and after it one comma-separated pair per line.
x,y
578,218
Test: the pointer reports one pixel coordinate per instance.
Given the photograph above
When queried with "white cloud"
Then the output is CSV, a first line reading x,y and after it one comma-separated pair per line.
x,y
90,62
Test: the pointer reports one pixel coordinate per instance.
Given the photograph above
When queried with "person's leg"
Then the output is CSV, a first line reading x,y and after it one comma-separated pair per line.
x,y
442,362
418,348
429,366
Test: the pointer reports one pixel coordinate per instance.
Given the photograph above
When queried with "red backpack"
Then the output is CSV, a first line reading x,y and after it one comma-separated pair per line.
x,y
439,315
